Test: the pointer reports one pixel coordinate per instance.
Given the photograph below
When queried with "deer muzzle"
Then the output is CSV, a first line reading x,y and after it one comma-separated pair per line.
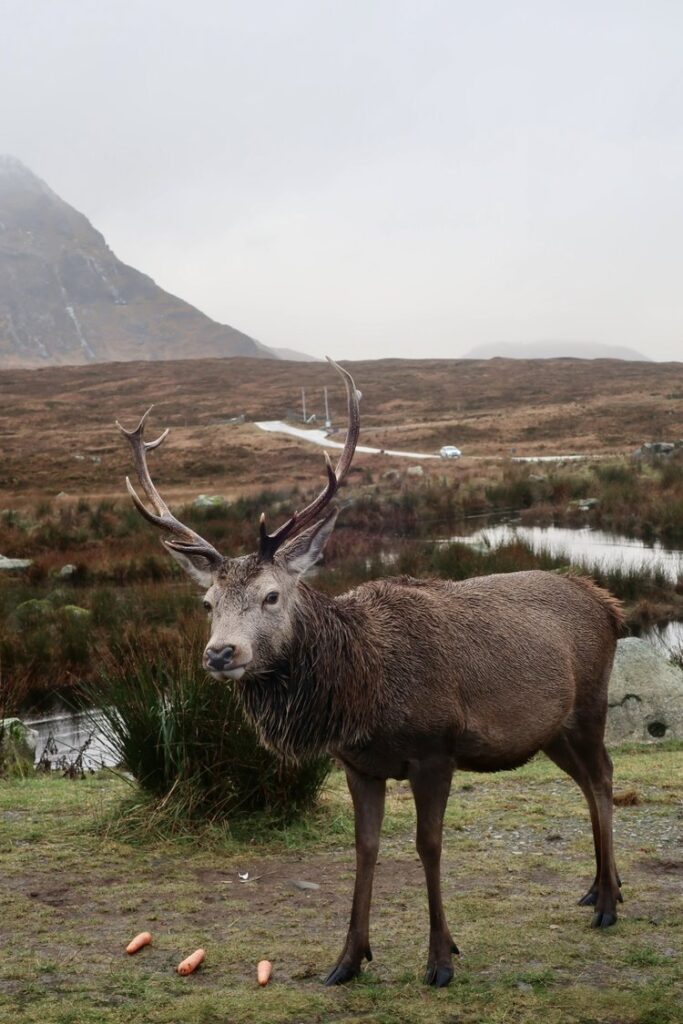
x,y
225,662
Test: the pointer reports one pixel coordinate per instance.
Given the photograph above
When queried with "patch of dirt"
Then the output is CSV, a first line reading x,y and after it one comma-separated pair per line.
x,y
661,866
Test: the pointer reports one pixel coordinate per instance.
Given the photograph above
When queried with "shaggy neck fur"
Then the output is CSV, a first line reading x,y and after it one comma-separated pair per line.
x,y
315,697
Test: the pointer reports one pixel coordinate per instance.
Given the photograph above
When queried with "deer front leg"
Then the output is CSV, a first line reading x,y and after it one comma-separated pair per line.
x,y
431,783
368,805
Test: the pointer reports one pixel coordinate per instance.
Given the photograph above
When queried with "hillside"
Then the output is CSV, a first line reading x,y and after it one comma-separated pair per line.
x,y
66,299
58,428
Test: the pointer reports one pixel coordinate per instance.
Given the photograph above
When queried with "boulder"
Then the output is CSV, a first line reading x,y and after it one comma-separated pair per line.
x,y
75,613
645,695
67,571
17,744
653,449
33,611
415,471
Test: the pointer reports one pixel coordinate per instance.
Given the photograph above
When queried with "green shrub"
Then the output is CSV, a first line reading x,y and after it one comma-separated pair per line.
x,y
185,740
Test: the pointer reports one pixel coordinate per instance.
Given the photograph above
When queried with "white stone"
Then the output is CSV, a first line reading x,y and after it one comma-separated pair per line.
x,y
15,563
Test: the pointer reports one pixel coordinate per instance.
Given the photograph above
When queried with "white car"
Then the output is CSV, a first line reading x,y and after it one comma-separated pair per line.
x,y
449,451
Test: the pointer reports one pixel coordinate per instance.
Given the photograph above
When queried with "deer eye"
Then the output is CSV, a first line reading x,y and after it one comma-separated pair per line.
x,y
272,597
208,606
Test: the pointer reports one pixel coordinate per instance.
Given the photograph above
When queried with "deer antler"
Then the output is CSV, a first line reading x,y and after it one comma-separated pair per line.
x,y
185,540
269,543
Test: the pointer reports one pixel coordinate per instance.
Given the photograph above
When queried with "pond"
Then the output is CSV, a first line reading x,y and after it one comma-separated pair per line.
x,y
584,547
65,736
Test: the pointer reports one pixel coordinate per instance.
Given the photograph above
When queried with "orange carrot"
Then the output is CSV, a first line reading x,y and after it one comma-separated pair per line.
x,y
143,939
191,963
264,971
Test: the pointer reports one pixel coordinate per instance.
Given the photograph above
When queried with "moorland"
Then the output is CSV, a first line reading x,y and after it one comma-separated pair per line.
x,y
64,504
89,860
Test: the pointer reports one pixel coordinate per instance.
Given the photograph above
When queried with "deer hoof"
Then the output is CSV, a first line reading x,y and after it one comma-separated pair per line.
x,y
603,919
342,973
590,899
438,976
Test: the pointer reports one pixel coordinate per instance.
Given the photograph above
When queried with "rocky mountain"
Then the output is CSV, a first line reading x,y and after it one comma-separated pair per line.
x,y
553,350
65,298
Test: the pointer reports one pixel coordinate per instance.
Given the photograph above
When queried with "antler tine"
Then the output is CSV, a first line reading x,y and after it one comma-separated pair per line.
x,y
186,540
140,447
269,543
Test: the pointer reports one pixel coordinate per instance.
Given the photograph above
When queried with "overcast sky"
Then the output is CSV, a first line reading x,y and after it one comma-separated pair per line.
x,y
368,178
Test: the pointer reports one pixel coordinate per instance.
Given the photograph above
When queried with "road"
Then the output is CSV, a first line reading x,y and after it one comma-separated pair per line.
x,y
320,437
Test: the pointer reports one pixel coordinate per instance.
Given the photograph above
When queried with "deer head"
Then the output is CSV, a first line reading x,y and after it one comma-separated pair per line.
x,y
251,600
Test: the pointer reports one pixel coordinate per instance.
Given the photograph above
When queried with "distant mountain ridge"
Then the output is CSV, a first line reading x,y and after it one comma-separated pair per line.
x,y
553,350
65,298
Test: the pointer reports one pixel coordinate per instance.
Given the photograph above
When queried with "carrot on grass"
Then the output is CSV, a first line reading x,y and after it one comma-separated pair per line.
x,y
191,963
143,939
264,971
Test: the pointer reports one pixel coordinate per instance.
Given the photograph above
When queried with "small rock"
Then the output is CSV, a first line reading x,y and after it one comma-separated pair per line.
x,y
415,471
304,886
209,501
67,571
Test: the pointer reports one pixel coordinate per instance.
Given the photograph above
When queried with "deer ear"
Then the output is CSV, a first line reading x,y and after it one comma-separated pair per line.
x,y
196,565
302,552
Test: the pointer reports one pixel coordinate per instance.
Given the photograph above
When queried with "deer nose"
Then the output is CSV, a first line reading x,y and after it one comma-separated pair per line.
x,y
219,659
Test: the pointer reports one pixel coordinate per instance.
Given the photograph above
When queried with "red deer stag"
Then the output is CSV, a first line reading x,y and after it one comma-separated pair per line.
x,y
407,679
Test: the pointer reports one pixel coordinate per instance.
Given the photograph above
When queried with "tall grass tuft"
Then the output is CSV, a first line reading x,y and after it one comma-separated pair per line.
x,y
185,740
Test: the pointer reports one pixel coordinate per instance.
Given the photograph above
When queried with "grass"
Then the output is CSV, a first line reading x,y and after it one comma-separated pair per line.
x,y
186,741
131,591
517,854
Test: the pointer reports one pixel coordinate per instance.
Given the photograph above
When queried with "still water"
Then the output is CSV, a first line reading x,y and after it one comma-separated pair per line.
x,y
584,547
66,735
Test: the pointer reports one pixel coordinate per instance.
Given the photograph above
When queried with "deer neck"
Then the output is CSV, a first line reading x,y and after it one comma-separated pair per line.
x,y
318,696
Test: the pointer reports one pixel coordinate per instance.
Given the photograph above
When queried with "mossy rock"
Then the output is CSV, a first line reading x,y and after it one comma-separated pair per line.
x,y
74,613
17,746
30,613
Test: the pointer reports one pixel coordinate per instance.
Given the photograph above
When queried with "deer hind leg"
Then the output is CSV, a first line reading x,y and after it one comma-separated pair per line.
x,y
431,783
368,805
591,767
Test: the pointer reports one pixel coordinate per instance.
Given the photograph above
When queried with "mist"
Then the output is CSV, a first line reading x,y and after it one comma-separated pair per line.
x,y
371,180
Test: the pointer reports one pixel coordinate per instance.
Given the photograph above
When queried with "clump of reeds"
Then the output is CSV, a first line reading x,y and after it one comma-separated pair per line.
x,y
185,740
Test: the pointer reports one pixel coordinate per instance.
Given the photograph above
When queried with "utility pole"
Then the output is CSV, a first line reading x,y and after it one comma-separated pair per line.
x,y
328,421
303,402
